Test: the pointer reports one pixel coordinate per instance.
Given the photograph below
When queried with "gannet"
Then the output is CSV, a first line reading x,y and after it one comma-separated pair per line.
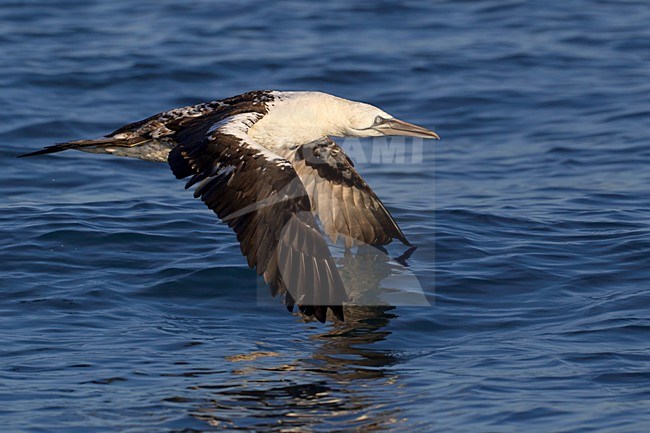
x,y
264,162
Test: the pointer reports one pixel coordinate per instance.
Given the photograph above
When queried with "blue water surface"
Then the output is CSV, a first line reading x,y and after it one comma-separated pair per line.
x,y
126,306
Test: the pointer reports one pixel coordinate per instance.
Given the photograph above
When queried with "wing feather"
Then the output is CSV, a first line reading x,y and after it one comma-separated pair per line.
x,y
345,203
260,196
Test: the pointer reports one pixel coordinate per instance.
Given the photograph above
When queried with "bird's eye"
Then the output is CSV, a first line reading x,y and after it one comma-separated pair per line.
x,y
378,120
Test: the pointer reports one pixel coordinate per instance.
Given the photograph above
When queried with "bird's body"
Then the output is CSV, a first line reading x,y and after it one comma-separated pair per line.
x,y
263,161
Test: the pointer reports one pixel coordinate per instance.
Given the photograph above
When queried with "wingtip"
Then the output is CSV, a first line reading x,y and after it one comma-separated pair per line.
x,y
337,310
320,313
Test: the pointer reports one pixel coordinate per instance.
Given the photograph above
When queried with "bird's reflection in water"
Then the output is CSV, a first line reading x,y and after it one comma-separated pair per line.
x,y
344,382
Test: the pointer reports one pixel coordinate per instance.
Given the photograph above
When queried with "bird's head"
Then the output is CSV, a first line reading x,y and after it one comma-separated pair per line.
x,y
365,120
302,117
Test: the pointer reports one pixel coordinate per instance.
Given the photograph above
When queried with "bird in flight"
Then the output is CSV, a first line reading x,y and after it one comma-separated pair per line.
x,y
264,163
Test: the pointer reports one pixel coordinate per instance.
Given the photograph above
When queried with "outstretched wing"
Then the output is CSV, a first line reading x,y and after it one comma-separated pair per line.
x,y
258,194
342,199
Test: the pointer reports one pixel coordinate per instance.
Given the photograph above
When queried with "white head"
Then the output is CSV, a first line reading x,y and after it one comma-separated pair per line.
x,y
301,117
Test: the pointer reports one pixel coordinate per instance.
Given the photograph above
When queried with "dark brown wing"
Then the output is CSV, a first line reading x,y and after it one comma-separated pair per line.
x,y
343,201
258,194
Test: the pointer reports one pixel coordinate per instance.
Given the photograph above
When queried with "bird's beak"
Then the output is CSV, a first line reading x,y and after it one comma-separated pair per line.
x,y
399,127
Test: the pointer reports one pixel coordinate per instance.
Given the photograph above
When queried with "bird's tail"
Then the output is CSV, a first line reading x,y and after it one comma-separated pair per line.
x,y
88,145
